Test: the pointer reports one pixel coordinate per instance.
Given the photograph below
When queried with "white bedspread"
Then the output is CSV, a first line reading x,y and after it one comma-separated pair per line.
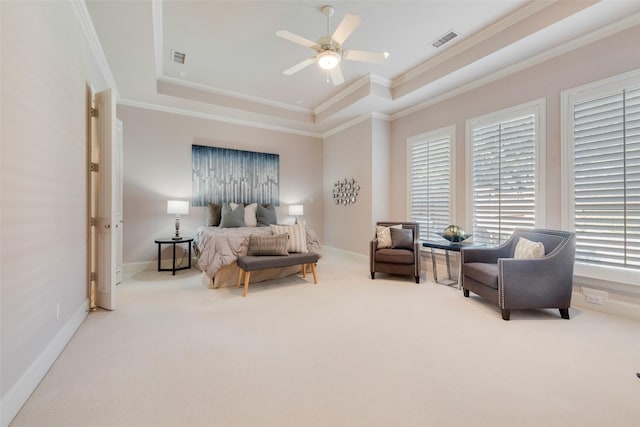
x,y
217,247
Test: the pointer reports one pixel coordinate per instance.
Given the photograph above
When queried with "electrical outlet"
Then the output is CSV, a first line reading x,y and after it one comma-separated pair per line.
x,y
594,296
594,299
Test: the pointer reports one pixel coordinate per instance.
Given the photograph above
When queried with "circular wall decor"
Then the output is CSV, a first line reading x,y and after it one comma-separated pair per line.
x,y
345,192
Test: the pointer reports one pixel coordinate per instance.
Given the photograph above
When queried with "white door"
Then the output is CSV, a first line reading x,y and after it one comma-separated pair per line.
x,y
118,216
107,220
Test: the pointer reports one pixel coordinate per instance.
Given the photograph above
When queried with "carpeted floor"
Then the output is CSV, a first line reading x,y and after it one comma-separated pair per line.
x,y
347,352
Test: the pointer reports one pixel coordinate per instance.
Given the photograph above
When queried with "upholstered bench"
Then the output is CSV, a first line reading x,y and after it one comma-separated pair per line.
x,y
249,263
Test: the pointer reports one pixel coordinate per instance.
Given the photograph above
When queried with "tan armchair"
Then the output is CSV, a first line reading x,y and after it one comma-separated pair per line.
x,y
547,282
403,260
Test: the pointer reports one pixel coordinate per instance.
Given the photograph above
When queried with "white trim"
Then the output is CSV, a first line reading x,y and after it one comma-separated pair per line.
x,y
466,44
447,131
353,122
537,107
361,82
592,37
84,18
236,95
610,306
346,254
215,117
14,398
156,22
568,98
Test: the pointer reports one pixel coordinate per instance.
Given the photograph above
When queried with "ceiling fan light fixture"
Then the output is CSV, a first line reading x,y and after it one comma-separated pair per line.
x,y
328,60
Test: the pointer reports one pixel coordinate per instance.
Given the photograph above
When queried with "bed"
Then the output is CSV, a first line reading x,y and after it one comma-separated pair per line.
x,y
217,248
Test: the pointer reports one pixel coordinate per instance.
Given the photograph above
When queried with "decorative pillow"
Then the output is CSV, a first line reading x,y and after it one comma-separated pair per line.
x,y
383,234
250,215
213,215
297,236
266,215
401,238
268,245
232,217
526,249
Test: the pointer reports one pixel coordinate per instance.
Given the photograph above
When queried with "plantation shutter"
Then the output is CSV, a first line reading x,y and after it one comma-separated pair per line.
x,y
503,178
607,179
430,191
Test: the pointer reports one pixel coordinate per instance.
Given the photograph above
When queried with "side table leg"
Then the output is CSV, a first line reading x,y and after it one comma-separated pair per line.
x,y
159,254
189,243
446,254
433,264
174,258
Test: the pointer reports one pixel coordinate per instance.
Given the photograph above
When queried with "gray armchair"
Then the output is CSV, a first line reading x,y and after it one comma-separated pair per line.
x,y
511,283
405,260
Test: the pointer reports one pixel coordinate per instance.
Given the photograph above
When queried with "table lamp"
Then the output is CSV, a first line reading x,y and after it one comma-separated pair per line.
x,y
177,207
296,210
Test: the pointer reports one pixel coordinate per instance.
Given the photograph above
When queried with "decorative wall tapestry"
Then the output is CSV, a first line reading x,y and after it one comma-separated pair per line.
x,y
224,175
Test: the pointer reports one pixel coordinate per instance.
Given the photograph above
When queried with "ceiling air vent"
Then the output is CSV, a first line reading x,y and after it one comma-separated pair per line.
x,y
177,57
445,38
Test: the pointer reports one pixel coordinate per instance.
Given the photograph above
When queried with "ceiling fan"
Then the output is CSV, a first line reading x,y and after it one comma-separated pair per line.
x,y
329,52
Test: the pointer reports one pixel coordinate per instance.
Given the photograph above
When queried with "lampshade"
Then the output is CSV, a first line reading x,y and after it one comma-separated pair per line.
x,y
177,207
328,60
296,210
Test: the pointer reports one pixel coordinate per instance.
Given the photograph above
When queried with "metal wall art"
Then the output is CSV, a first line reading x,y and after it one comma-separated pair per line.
x,y
345,191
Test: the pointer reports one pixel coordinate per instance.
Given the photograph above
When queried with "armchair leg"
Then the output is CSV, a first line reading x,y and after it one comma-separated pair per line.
x,y
417,279
373,275
506,314
465,292
564,313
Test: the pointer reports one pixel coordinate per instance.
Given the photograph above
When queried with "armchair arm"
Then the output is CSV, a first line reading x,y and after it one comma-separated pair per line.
x,y
485,255
373,247
535,283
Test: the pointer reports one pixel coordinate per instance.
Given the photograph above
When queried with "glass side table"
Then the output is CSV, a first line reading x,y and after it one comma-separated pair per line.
x,y
447,247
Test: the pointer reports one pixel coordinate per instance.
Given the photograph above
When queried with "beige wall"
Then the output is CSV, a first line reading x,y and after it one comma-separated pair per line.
x,y
157,167
46,65
359,152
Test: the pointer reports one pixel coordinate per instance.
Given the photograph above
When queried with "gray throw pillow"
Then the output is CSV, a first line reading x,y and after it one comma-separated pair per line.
x,y
266,215
232,217
268,245
401,238
213,215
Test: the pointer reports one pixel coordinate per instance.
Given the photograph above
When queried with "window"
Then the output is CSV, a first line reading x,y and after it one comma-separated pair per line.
x,y
504,151
602,147
430,160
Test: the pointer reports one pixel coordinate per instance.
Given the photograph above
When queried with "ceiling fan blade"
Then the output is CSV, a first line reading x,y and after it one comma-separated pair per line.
x,y
297,39
345,28
336,76
299,66
365,56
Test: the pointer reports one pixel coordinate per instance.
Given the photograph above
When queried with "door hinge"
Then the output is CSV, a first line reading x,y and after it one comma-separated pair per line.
x,y
93,276
93,112
94,167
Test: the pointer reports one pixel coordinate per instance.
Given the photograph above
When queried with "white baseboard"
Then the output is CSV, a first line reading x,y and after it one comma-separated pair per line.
x,y
13,400
606,305
353,255
137,267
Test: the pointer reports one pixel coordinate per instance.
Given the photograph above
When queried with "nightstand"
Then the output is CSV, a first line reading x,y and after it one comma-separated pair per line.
x,y
174,242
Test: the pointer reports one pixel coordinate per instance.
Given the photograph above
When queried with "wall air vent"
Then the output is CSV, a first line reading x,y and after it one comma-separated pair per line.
x,y
177,57
445,38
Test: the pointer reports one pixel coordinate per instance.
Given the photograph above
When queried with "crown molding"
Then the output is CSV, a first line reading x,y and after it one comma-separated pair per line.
x,y
86,23
353,87
357,120
158,41
577,43
236,95
465,44
215,117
